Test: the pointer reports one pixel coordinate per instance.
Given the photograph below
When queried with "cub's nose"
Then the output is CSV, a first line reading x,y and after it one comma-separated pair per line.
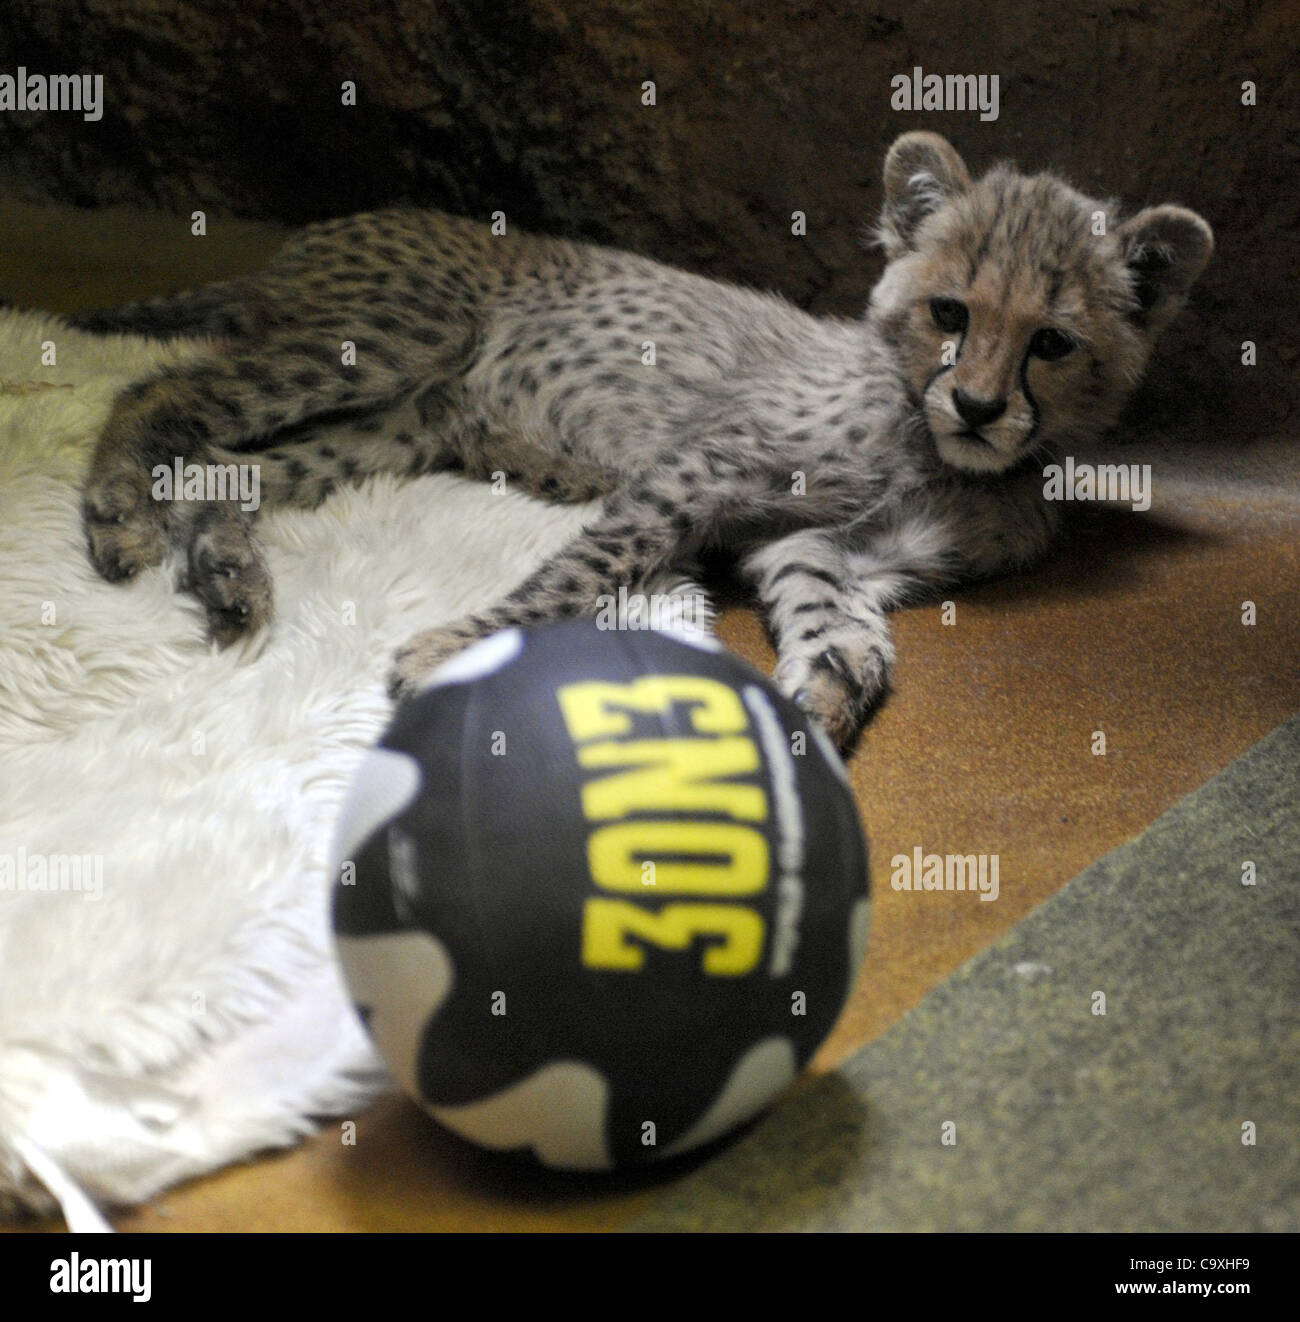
x,y
977,412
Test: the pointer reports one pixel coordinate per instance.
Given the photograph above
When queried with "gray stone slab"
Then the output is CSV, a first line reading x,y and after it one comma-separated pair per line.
x,y
1065,1119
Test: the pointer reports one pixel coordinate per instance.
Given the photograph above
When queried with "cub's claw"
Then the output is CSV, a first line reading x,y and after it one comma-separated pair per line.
x,y
827,689
126,531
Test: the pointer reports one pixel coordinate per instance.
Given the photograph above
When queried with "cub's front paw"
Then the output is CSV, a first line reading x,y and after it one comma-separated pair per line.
x,y
126,529
835,692
423,654
227,572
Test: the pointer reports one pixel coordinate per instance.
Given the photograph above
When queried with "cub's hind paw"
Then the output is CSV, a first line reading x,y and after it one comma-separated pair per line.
x,y
126,530
422,655
228,574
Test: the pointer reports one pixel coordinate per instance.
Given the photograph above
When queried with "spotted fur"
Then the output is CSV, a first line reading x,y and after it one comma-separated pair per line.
x,y
853,464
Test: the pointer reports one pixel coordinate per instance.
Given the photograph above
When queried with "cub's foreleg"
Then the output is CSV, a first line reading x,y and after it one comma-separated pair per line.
x,y
826,605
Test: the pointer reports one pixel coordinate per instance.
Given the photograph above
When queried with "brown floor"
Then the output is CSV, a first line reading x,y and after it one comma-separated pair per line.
x,y
1134,629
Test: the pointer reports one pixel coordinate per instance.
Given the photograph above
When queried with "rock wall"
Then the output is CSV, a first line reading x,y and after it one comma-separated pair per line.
x,y
761,108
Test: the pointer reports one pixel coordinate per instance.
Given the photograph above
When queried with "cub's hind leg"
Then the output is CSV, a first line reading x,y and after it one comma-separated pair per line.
x,y
234,400
533,467
223,563
224,568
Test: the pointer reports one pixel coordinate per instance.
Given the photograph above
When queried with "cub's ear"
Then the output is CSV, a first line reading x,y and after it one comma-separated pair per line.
x,y
922,171
1165,249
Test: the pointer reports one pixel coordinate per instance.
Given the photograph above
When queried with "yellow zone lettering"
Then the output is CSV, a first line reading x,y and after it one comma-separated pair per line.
x,y
600,709
684,775
721,860
608,925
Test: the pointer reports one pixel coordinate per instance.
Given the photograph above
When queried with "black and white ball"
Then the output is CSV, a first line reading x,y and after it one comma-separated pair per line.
x,y
601,894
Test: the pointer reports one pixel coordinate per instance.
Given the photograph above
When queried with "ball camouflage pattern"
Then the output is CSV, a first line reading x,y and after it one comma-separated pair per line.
x,y
601,893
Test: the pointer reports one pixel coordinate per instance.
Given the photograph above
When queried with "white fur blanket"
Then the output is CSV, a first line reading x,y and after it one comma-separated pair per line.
x,y
168,997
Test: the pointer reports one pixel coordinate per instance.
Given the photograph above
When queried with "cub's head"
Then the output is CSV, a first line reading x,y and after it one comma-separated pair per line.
x,y
1024,312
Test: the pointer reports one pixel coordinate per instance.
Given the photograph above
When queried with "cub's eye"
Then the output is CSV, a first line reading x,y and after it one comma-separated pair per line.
x,y
949,315
1050,344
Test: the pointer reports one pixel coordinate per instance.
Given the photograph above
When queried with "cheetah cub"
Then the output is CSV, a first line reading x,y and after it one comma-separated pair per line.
x,y
850,464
